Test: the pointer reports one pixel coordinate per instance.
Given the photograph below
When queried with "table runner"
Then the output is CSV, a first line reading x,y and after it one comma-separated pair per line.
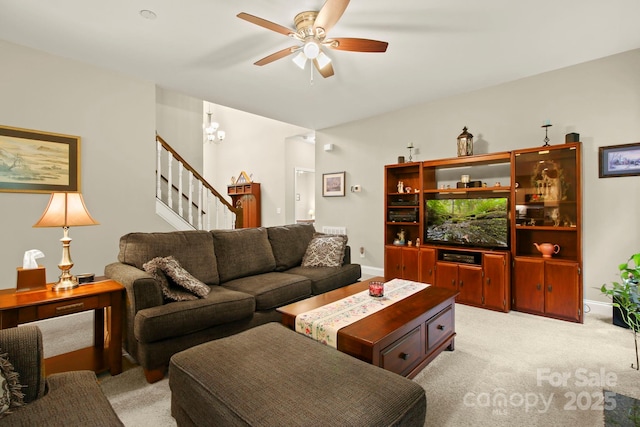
x,y
323,323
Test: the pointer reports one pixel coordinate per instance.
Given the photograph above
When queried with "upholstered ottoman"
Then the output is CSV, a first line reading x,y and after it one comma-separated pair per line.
x,y
272,376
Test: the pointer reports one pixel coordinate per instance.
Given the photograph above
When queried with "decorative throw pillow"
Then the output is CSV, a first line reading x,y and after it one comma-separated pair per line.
x,y
325,250
11,395
167,271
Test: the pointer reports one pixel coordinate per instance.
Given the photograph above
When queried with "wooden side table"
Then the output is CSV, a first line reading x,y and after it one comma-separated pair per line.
x,y
104,297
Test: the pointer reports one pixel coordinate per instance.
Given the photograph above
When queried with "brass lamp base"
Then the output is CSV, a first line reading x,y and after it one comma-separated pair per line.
x,y
66,282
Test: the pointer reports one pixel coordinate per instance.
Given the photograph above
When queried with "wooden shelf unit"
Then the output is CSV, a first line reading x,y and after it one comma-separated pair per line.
x,y
247,196
545,206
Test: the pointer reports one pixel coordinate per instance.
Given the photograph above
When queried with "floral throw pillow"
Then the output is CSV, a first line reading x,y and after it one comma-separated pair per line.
x,y
168,272
11,395
325,250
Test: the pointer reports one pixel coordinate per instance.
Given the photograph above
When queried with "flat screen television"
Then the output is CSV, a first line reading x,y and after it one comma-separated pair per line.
x,y
481,222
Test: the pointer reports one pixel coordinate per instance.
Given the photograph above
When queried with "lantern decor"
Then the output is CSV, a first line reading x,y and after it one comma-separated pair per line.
x,y
465,143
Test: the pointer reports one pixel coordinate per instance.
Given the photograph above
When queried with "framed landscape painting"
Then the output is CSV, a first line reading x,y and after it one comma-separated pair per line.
x,y
333,184
619,160
38,162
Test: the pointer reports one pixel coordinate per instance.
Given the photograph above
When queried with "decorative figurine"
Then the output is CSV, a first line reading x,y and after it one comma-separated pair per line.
x,y
400,241
547,124
410,147
400,187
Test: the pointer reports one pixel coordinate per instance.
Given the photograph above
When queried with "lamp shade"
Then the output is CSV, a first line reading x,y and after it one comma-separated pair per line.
x,y
65,210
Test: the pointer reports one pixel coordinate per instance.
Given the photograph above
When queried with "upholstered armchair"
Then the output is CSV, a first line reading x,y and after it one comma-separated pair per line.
x,y
69,398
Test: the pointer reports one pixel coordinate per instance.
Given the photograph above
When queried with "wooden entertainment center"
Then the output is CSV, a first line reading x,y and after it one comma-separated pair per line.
x,y
542,190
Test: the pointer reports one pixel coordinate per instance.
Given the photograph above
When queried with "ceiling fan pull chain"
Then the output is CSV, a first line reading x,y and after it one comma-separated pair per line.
x,y
311,70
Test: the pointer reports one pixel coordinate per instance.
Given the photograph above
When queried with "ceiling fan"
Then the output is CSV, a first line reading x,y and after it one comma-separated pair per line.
x,y
311,29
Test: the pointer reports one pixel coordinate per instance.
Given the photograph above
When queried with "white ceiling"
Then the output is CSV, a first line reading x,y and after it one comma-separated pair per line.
x,y
437,48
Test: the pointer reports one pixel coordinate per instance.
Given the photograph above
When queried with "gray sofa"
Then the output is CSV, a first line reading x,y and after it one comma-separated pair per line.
x,y
63,399
251,272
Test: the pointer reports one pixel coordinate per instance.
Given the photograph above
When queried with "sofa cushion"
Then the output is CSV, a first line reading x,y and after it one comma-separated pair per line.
x,y
325,250
289,243
325,279
193,250
168,269
272,290
242,252
181,318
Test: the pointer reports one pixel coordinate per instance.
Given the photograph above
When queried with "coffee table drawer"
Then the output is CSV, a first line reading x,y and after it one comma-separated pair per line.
x,y
403,353
439,328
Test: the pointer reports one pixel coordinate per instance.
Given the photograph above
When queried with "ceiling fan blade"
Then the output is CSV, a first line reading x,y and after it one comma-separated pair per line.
x,y
326,71
278,55
266,24
357,45
330,13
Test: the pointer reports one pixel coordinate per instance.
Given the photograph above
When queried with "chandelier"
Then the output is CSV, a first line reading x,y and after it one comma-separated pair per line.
x,y
213,131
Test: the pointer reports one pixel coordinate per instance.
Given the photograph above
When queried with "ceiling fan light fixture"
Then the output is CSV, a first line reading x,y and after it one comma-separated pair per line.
x,y
300,60
323,60
311,49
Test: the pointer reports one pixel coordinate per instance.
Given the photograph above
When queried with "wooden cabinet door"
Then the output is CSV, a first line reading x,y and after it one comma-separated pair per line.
x,y
446,275
528,285
410,264
427,260
392,263
495,281
562,294
470,284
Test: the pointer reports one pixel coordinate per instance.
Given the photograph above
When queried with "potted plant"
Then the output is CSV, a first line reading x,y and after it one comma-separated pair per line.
x,y
626,297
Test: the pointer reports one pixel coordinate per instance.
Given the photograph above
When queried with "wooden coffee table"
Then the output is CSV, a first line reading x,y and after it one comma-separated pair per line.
x,y
403,337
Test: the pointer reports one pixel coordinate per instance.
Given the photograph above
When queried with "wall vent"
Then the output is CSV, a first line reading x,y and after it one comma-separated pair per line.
x,y
334,230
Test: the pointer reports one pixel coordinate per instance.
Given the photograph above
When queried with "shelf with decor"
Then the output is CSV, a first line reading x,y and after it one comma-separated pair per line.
x,y
468,175
403,203
547,231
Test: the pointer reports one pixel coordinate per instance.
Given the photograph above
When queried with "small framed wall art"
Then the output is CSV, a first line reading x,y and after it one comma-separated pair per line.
x,y
619,160
38,162
333,184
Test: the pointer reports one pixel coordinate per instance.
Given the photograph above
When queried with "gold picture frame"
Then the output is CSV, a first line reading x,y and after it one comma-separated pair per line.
x,y
32,161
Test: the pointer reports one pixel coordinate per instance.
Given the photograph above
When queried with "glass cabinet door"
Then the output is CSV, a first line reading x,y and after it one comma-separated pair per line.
x,y
547,200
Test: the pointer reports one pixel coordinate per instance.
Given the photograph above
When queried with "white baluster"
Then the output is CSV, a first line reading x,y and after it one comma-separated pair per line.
x,y
190,197
200,187
217,213
158,170
180,197
170,181
206,203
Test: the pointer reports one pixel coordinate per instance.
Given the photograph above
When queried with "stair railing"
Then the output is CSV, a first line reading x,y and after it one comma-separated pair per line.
x,y
201,205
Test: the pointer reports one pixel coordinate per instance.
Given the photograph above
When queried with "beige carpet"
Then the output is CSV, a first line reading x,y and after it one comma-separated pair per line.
x,y
509,369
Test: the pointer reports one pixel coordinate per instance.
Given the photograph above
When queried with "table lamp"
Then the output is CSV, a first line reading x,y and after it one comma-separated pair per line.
x,y
65,210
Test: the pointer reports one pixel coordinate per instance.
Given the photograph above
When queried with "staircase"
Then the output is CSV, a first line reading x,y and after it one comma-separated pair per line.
x,y
185,199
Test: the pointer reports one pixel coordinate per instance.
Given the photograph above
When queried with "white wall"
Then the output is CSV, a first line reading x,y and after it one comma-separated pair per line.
x,y
179,123
256,145
115,117
599,100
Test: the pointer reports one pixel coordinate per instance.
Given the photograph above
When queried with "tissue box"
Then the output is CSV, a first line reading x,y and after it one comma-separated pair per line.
x,y
31,279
